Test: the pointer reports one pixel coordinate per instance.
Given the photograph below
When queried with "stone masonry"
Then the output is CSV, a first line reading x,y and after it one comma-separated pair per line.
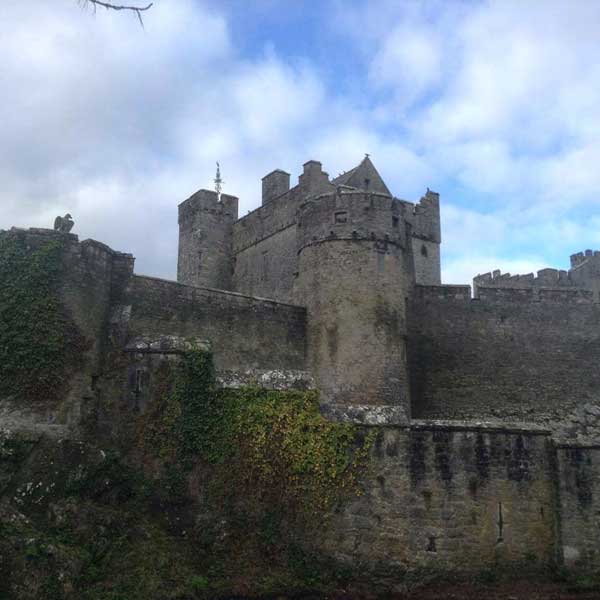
x,y
489,406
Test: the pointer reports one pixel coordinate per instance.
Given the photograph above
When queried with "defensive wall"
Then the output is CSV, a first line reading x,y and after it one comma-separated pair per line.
x,y
511,355
130,323
253,340
488,451
583,274
454,498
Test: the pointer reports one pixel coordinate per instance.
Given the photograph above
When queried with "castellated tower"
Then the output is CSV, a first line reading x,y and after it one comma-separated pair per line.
x,y
205,238
345,251
354,273
426,239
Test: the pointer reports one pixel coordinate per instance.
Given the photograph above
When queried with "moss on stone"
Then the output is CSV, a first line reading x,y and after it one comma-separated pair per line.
x,y
38,340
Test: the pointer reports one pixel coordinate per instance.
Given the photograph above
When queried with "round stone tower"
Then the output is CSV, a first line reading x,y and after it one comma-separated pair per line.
x,y
353,277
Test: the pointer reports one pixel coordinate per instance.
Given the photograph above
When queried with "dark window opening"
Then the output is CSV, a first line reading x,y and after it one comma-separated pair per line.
x,y
395,221
138,380
341,217
500,524
367,182
424,250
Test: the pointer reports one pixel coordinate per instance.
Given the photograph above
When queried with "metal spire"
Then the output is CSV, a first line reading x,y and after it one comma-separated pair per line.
x,y
218,182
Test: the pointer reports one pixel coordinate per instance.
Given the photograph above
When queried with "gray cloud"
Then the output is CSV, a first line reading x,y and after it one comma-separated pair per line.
x,y
118,125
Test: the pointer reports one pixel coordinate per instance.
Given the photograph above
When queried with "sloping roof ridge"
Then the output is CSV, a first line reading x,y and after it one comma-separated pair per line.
x,y
346,175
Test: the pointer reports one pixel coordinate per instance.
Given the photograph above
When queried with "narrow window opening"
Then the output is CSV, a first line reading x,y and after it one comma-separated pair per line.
x,y
367,182
138,380
395,221
500,524
431,547
424,250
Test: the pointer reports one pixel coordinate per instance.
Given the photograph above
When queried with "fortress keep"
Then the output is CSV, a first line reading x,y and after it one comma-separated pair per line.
x,y
489,406
346,251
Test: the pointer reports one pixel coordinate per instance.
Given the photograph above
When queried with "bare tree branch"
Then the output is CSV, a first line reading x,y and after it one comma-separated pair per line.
x,y
138,10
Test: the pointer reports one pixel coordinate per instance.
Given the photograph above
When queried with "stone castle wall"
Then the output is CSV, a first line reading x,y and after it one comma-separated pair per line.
x,y
244,333
453,499
264,249
509,355
92,278
343,267
579,505
264,243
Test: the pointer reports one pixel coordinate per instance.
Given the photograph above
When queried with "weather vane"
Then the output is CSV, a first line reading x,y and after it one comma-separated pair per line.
x,y
218,182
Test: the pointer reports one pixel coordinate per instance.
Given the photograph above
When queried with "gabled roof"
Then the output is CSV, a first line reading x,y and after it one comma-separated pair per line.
x,y
363,177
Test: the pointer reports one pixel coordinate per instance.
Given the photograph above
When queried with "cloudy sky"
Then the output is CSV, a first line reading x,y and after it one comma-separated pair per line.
x,y
495,104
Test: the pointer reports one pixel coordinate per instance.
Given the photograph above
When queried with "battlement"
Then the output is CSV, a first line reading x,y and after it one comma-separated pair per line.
x,y
580,257
545,278
88,249
350,214
208,201
425,219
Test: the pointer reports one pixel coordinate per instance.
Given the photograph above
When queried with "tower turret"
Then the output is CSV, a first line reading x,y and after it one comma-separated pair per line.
x,y
426,239
205,236
354,271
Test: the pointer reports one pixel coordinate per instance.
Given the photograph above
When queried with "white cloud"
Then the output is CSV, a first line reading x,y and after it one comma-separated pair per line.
x,y
118,125
495,102
509,94
409,60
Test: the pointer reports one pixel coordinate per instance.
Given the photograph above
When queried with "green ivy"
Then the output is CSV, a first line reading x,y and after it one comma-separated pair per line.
x,y
276,445
38,342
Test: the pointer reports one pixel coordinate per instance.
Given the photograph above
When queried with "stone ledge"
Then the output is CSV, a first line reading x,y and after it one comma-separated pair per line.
x,y
273,379
493,426
364,414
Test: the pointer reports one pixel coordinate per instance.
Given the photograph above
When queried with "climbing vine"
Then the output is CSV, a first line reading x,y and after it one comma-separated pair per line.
x,y
274,444
38,341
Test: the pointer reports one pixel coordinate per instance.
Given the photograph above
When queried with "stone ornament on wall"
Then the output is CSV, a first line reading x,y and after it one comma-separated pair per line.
x,y
64,224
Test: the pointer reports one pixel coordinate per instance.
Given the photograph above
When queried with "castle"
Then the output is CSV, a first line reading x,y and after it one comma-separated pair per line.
x,y
490,405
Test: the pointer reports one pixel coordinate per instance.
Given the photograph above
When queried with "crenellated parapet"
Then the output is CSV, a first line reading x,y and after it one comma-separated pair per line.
x,y
581,257
425,220
350,214
426,237
545,278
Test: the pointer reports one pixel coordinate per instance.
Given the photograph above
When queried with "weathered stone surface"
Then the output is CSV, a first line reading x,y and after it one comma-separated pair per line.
x,y
452,500
488,408
507,358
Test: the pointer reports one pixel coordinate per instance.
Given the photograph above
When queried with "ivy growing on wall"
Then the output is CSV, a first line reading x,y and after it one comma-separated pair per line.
x,y
38,342
275,444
